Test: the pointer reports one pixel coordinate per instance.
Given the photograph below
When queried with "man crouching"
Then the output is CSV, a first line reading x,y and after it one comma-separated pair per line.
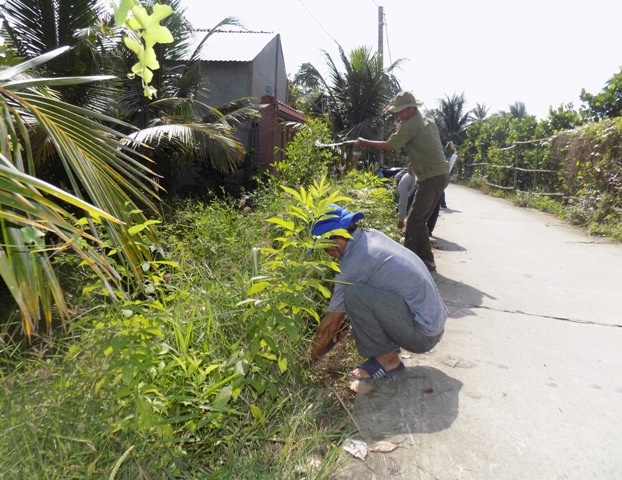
x,y
385,290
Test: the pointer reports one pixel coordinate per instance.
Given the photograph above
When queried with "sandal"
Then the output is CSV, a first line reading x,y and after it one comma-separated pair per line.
x,y
375,370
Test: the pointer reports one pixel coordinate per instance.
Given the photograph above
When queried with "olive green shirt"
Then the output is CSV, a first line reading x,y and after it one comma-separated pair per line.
x,y
419,137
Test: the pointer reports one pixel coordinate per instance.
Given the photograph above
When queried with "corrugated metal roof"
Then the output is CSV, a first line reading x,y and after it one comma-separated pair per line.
x,y
230,46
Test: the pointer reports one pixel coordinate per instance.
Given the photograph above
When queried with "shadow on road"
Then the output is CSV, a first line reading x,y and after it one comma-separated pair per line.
x,y
459,297
421,400
442,244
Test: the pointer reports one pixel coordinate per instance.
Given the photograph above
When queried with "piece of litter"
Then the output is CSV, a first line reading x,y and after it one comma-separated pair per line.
x,y
383,446
356,448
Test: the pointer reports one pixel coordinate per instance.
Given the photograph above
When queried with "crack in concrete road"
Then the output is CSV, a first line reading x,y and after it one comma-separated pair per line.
x,y
520,312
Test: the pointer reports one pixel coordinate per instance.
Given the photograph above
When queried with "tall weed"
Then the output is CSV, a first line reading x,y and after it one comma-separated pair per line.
x,y
204,373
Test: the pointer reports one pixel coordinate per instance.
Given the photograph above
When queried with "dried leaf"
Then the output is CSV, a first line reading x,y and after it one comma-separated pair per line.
x,y
383,446
356,448
361,387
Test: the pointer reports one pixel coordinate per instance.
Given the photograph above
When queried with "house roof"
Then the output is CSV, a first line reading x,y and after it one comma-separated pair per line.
x,y
230,45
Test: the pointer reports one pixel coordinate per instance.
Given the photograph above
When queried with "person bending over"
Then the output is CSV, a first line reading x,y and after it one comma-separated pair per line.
x,y
386,292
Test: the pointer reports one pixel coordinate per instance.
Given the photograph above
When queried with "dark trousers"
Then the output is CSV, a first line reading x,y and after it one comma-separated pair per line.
x,y
381,319
431,223
427,198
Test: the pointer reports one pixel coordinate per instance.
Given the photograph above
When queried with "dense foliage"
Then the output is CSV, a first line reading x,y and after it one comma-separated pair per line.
x,y
187,353
607,103
580,167
206,375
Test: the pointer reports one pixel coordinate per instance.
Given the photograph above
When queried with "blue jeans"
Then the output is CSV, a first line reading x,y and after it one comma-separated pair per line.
x,y
381,319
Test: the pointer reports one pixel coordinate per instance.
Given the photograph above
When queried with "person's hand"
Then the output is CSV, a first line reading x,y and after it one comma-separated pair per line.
x,y
328,333
360,142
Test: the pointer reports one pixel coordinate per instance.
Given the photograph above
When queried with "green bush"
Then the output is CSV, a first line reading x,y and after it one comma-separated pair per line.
x,y
202,375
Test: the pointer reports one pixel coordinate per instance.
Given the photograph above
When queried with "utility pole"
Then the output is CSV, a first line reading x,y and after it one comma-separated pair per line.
x,y
380,35
380,153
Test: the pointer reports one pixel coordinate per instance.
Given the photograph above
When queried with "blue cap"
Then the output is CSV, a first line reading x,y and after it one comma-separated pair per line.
x,y
338,219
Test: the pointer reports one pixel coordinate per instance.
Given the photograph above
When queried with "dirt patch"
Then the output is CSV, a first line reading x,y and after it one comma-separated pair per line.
x,y
335,365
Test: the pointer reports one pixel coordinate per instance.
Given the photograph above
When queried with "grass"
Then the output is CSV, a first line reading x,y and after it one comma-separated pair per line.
x,y
204,377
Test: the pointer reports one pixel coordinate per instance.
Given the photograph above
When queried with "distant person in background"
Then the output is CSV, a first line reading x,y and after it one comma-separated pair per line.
x,y
450,152
419,138
406,188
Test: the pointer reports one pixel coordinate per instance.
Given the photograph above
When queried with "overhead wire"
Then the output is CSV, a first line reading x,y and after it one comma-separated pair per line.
x,y
386,32
384,20
317,21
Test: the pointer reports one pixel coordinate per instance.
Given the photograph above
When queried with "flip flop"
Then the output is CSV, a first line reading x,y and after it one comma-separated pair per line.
x,y
375,370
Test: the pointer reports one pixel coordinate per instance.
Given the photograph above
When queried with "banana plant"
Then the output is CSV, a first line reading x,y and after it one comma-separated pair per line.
x,y
109,187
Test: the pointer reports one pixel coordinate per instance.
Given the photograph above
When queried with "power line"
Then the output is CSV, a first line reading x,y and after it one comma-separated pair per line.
x,y
318,22
386,31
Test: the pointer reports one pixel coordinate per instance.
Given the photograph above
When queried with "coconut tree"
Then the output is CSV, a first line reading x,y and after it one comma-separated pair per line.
x,y
451,118
172,125
480,112
353,98
98,214
518,110
175,125
35,27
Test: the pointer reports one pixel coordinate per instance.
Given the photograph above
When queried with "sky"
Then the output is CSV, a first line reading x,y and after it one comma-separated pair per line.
x,y
495,52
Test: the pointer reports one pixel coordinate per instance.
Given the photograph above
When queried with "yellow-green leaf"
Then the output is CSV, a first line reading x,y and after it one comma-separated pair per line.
x,y
258,287
286,224
257,414
282,364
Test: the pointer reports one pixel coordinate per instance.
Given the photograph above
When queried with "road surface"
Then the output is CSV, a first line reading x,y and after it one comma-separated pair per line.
x,y
527,382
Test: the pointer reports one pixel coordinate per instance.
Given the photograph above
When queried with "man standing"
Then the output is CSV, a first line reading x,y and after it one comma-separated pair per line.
x,y
385,290
419,138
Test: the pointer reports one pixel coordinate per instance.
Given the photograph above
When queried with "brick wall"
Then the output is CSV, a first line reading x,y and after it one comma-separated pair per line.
x,y
270,133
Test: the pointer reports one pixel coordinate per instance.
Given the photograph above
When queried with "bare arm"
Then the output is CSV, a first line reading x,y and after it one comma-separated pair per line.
x,y
327,332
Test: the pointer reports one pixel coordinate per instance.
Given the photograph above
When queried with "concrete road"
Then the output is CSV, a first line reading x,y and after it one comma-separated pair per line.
x,y
527,381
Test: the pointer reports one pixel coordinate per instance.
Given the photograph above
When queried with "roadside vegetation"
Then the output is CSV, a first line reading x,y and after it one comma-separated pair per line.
x,y
206,375
582,171
152,335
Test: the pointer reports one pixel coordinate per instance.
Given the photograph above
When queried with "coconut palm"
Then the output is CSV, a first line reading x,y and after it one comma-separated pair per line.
x,y
99,211
176,125
451,118
518,110
35,27
480,112
355,99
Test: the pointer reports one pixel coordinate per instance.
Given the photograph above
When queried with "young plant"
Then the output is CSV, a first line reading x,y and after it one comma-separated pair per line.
x,y
282,299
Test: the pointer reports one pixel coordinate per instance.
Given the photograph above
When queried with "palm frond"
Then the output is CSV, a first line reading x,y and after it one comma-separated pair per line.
x,y
206,142
109,183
